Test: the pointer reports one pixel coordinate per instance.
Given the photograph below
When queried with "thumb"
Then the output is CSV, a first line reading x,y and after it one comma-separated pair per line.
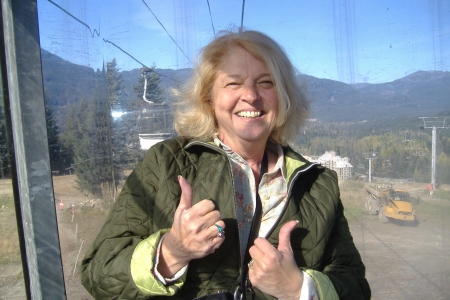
x,y
284,237
186,193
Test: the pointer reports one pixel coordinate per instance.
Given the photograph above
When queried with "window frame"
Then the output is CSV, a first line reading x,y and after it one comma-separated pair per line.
x,y
29,152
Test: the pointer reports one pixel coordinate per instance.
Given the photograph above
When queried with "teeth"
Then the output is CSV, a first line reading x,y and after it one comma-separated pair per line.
x,y
249,114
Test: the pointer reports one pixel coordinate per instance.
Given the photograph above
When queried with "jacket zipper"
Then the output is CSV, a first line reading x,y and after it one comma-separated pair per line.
x,y
215,148
235,207
288,195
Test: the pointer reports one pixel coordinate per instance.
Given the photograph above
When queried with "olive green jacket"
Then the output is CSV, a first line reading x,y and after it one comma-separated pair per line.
x,y
321,242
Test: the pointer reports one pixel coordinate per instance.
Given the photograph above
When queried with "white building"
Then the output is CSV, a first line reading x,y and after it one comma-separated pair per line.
x,y
339,164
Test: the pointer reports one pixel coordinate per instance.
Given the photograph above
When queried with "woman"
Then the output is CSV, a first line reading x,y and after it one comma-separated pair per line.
x,y
181,225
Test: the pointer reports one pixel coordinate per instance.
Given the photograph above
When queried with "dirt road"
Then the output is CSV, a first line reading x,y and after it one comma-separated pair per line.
x,y
403,262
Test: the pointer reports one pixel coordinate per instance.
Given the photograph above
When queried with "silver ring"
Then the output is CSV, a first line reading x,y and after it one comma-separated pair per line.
x,y
250,264
221,232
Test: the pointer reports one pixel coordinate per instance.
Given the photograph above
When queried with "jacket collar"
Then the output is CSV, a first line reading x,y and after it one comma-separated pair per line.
x,y
294,162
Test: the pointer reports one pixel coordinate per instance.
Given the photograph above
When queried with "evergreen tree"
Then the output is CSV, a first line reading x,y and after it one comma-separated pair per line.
x,y
114,87
398,156
104,179
55,147
57,152
443,165
131,130
70,136
154,93
82,147
90,135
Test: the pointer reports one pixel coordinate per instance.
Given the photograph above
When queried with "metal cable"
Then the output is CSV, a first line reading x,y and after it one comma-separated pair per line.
x,y
95,32
212,24
242,16
166,31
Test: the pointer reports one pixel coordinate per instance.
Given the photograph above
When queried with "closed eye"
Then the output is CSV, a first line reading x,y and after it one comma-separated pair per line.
x,y
266,83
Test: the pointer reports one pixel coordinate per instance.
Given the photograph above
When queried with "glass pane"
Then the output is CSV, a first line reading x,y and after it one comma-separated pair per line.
x,y
377,73
11,274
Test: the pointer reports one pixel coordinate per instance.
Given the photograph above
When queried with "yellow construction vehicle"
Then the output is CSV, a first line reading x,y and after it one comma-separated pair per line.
x,y
389,203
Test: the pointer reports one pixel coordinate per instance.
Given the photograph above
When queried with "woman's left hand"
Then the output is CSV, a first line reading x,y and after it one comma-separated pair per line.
x,y
274,271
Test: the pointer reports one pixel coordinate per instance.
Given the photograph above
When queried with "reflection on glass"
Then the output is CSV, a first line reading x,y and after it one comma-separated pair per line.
x,y
372,69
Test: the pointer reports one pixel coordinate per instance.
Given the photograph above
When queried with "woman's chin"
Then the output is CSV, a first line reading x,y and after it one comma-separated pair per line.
x,y
253,138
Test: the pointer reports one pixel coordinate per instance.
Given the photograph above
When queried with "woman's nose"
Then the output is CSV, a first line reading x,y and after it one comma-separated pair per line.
x,y
249,92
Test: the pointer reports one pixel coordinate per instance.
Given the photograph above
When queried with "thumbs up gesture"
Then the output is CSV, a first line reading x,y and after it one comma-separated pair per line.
x,y
274,271
195,232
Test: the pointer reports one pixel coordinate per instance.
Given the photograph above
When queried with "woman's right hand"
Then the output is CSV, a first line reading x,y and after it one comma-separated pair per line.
x,y
193,234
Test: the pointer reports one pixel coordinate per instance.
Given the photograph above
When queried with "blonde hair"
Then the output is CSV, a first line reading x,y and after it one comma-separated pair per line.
x,y
194,115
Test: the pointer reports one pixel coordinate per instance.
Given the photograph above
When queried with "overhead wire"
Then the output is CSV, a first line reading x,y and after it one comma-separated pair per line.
x,y
166,31
143,65
93,32
210,16
242,16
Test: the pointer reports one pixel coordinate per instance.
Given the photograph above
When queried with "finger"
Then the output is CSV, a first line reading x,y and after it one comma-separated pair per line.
x,y
221,223
259,249
186,193
217,242
218,229
285,236
207,208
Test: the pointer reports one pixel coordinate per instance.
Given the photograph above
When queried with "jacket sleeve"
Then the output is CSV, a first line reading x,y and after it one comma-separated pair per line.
x,y
143,264
342,262
323,285
105,269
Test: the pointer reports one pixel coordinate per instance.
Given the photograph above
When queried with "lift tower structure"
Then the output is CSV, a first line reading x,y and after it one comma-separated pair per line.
x,y
434,123
370,156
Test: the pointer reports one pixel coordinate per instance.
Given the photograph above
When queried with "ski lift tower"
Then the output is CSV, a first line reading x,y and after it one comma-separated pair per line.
x,y
434,123
370,156
152,111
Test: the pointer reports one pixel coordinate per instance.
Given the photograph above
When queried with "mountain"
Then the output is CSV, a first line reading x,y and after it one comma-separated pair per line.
x,y
64,82
421,94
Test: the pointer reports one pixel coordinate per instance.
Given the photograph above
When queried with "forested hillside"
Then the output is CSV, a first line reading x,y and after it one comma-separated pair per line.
x,y
418,94
353,120
402,146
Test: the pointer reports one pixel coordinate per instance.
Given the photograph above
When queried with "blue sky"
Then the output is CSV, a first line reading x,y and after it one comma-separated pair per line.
x,y
349,41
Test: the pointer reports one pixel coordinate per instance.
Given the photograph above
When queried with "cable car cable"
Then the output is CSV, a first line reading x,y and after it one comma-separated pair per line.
x,y
143,65
212,24
92,32
95,32
242,16
167,31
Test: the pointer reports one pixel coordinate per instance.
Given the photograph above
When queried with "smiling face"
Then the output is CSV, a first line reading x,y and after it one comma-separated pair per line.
x,y
244,100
